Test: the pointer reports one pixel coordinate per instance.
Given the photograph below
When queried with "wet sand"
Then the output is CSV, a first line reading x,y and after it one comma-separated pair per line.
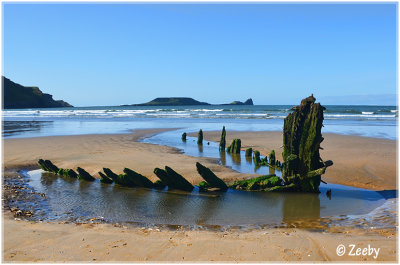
x,y
361,162
44,242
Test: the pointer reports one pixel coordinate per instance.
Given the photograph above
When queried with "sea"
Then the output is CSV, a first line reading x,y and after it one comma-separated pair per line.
x,y
367,121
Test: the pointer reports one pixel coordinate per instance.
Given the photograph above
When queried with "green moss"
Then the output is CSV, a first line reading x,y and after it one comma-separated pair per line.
x,y
256,158
83,175
177,181
104,179
50,166
258,183
71,173
222,142
210,177
301,141
111,175
204,186
272,159
249,152
138,179
235,147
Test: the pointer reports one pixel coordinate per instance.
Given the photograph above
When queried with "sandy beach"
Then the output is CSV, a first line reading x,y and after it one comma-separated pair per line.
x,y
44,242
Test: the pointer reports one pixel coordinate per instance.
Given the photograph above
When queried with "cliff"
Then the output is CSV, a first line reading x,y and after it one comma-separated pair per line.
x,y
16,96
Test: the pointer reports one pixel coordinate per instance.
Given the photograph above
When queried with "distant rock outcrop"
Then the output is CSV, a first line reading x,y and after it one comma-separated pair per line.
x,y
178,101
16,96
247,102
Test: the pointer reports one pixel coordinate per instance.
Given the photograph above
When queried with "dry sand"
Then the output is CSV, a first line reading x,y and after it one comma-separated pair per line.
x,y
358,161
44,242
40,242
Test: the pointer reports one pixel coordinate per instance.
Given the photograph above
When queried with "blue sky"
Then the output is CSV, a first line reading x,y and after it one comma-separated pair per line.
x,y
112,54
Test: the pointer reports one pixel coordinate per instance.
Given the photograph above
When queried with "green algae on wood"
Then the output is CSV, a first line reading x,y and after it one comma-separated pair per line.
x,y
111,174
163,176
84,175
222,142
262,183
256,157
138,179
249,152
235,147
178,182
210,177
104,179
184,137
200,137
301,144
271,158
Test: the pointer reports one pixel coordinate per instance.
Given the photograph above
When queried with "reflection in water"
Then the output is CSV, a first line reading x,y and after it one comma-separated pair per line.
x,y
236,158
201,148
73,199
271,170
11,128
294,209
249,159
223,158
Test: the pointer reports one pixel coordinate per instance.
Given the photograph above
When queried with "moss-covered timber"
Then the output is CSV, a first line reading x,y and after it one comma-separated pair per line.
x,y
301,144
163,176
111,175
235,146
262,183
82,174
138,179
200,137
222,142
104,179
256,157
249,152
184,137
210,177
272,159
177,181
48,166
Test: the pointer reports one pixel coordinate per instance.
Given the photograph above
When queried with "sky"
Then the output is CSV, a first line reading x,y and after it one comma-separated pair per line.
x,y
112,54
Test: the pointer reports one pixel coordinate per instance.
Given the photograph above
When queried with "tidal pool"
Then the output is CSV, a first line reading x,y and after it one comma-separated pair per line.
x,y
72,200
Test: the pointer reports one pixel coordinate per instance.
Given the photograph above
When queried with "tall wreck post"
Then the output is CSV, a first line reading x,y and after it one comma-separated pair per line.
x,y
222,142
302,137
200,137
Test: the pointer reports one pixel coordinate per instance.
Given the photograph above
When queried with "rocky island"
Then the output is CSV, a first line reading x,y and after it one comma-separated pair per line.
x,y
184,101
17,96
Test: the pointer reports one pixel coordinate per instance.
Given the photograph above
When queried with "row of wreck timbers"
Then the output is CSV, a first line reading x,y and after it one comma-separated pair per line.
x,y
302,166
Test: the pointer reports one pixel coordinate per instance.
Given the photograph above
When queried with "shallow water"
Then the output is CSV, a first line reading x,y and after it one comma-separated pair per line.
x,y
238,162
71,200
